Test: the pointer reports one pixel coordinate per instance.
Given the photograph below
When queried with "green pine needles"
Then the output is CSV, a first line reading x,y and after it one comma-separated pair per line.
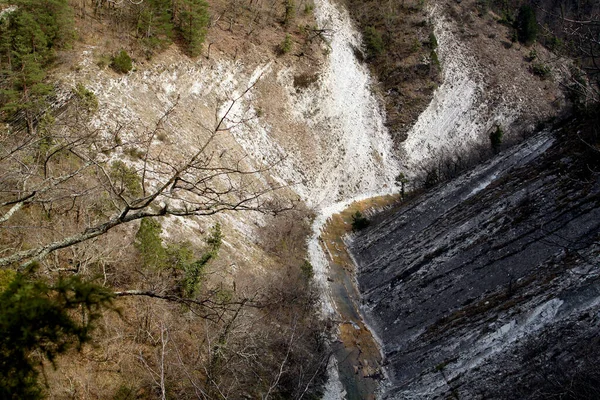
x,y
38,317
178,256
193,24
29,36
526,25
122,62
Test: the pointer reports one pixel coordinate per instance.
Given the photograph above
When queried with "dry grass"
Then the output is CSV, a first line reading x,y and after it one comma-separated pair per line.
x,y
242,350
340,225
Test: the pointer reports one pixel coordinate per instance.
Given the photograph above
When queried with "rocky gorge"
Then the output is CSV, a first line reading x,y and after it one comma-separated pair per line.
x,y
215,198
485,286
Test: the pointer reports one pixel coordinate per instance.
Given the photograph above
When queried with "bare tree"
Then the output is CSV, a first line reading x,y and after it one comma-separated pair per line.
x,y
73,170
582,34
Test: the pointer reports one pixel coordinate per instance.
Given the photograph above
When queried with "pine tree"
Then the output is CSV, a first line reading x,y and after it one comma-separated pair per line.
x,y
155,24
37,317
526,25
193,24
28,37
149,243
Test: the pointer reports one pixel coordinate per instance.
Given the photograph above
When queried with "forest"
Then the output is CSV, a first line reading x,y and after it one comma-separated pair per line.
x,y
92,290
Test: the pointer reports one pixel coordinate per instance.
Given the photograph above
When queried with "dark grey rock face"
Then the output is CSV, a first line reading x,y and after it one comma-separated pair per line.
x,y
480,285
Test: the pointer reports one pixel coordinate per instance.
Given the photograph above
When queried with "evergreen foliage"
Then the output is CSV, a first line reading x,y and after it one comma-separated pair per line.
x,y
496,138
155,24
307,270
290,12
373,42
541,70
287,44
29,36
215,238
122,62
86,97
194,271
193,24
149,244
36,316
179,256
359,221
125,179
526,25
433,43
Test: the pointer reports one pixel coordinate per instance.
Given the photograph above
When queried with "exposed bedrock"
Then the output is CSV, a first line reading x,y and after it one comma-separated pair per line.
x,y
485,285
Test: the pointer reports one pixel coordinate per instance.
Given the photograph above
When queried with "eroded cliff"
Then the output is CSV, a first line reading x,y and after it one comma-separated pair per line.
x,y
486,284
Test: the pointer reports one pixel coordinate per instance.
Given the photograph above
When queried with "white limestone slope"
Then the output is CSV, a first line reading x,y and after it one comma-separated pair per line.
x,y
345,117
357,159
341,119
344,110
460,114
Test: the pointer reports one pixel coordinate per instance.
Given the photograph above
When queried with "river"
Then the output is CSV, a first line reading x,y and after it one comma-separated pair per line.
x,y
351,112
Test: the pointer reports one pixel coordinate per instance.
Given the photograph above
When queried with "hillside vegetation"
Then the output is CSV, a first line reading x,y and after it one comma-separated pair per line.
x,y
101,298
400,47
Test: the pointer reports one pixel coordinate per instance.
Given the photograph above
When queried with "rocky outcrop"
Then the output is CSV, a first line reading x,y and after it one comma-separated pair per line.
x,y
492,281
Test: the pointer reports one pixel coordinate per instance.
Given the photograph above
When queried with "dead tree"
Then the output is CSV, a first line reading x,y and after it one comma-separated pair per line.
x,y
70,172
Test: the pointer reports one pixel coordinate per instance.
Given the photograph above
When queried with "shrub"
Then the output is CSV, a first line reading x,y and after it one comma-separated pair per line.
x,y
122,62
555,43
541,70
215,238
104,61
308,8
194,271
290,12
125,179
86,97
307,270
179,255
432,178
496,137
287,44
149,243
373,42
435,61
359,221
526,25
433,43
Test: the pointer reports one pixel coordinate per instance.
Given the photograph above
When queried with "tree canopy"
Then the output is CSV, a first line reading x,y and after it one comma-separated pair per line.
x,y
526,25
35,315
29,36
